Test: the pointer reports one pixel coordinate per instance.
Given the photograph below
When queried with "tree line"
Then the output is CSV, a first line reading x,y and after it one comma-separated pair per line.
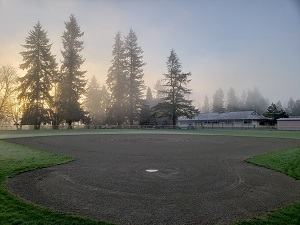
x,y
52,94
250,100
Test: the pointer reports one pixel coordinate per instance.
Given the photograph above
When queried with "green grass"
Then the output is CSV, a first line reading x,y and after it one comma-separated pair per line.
x,y
15,159
239,133
284,161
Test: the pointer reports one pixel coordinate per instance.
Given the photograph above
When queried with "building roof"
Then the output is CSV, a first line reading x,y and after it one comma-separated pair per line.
x,y
289,119
240,115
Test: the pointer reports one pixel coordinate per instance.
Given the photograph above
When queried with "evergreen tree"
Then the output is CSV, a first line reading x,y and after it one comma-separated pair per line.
x,y
160,89
218,101
274,113
295,107
279,105
290,106
117,84
146,117
255,101
232,101
135,74
175,104
296,111
149,98
36,85
242,101
72,79
96,101
205,107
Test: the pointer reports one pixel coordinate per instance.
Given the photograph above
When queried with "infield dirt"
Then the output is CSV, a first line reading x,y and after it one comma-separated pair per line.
x,y
199,179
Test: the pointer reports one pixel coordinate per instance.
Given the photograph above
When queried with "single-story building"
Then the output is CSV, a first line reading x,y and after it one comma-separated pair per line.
x,y
247,119
288,124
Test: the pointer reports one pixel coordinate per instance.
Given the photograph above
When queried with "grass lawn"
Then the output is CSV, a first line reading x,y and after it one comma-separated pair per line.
x,y
226,132
284,161
15,159
13,210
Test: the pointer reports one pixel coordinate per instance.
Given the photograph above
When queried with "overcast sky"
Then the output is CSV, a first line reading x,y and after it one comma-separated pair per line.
x,y
224,43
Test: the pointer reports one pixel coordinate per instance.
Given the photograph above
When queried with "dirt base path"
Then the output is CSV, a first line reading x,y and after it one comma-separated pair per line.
x,y
199,179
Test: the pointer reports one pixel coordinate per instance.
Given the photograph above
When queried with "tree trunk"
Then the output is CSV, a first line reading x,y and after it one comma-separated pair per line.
x,y
69,122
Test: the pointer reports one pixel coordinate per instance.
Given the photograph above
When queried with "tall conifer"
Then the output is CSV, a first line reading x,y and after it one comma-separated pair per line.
x,y
96,100
37,83
135,74
72,79
175,103
117,84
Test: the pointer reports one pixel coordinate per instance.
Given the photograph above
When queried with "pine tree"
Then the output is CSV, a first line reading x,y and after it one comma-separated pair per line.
x,y
205,107
96,102
296,109
134,71
72,79
274,113
218,101
159,89
175,103
242,101
149,98
293,107
146,116
279,105
37,83
290,106
117,84
255,101
232,101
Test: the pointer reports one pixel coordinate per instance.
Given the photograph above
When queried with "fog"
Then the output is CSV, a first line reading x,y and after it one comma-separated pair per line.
x,y
239,44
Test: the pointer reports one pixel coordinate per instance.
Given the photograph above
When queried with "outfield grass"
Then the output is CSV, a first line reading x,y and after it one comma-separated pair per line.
x,y
284,161
15,159
226,132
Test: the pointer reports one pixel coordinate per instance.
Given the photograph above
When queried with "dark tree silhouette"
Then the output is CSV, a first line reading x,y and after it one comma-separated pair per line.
x,y
117,84
146,117
134,71
72,80
175,104
273,113
37,83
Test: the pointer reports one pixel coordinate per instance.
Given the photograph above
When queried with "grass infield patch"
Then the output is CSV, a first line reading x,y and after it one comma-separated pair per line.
x,y
285,161
15,159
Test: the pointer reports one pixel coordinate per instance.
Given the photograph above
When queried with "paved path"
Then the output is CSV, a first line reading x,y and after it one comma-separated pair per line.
x,y
200,179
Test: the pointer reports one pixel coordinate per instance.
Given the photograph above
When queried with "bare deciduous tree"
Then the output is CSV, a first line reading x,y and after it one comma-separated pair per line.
x,y
8,82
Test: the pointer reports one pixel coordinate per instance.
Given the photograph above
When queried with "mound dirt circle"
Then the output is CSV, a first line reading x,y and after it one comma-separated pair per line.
x,y
198,179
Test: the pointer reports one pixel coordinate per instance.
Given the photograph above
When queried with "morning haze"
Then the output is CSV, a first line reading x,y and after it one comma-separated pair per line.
x,y
224,44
